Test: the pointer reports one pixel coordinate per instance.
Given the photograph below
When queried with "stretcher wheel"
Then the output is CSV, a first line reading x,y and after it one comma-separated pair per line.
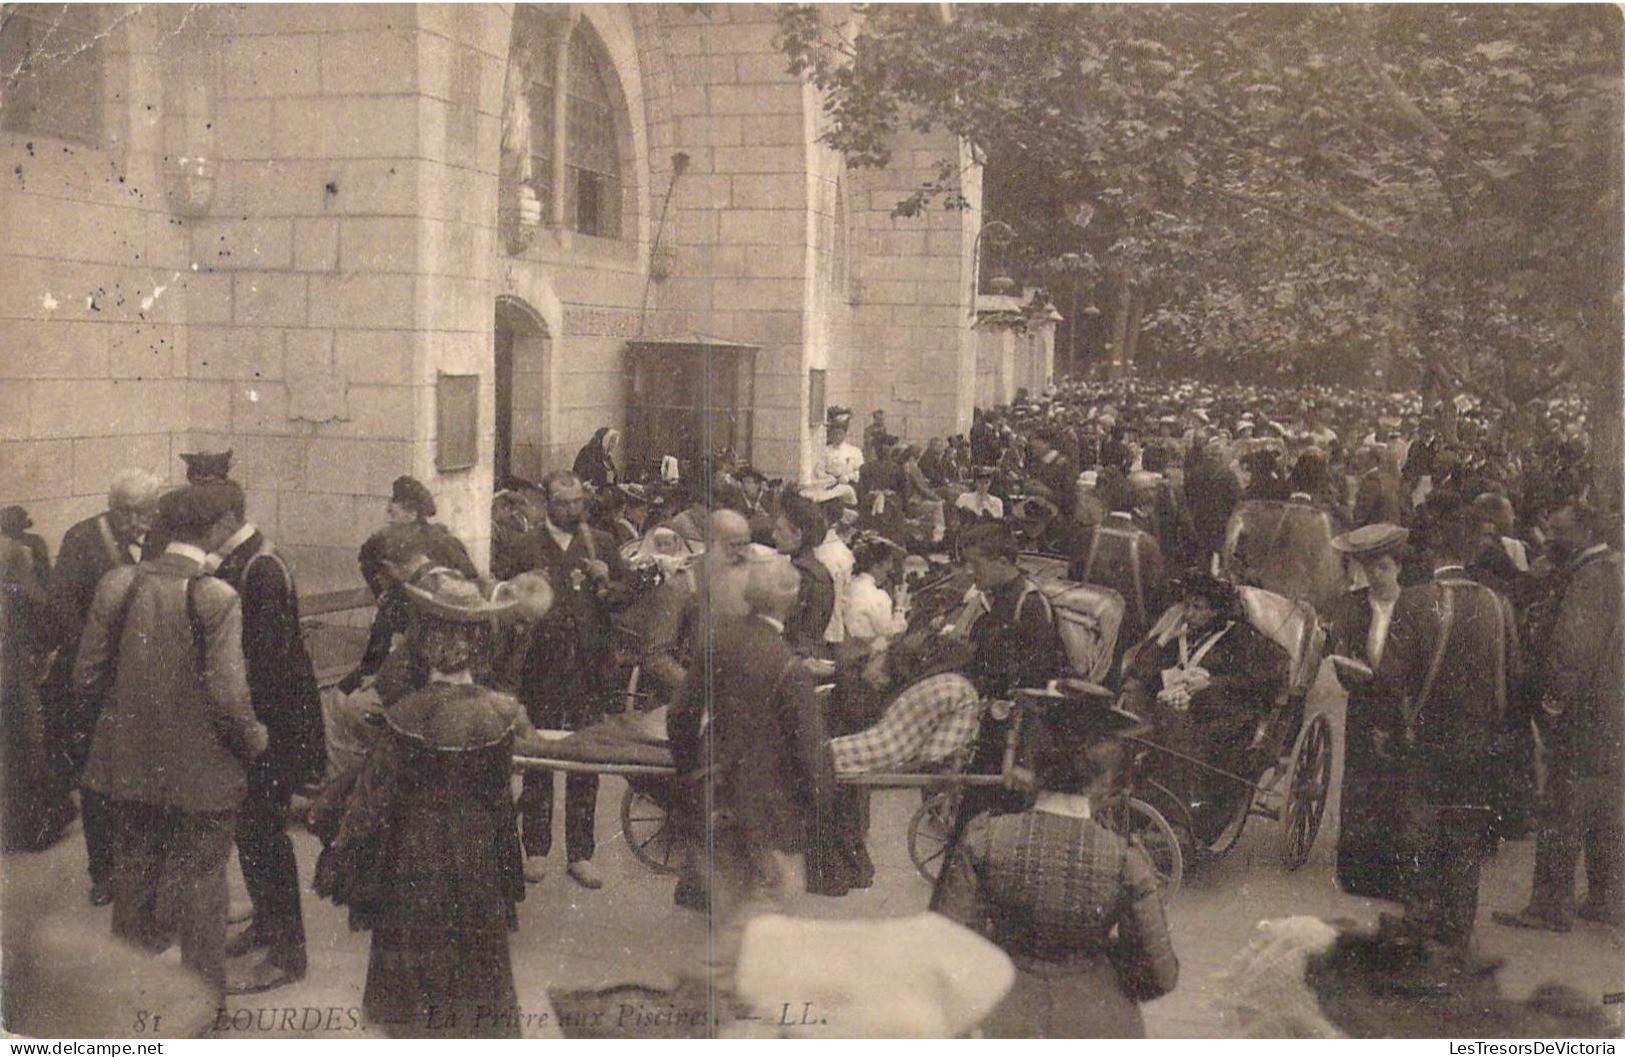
x,y
1146,826
929,831
1307,792
649,831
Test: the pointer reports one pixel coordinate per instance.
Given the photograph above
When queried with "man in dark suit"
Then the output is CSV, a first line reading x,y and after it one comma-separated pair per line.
x,y
1583,721
1054,476
282,685
752,729
90,549
1211,494
176,734
1451,657
1119,554
570,667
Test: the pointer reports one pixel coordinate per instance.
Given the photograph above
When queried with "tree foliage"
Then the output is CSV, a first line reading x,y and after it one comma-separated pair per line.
x,y
1291,186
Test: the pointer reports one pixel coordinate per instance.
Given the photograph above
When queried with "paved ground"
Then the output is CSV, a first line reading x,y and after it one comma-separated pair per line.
x,y
630,931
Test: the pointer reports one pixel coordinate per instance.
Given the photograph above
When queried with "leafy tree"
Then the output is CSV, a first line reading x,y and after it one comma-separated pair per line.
x,y
1283,187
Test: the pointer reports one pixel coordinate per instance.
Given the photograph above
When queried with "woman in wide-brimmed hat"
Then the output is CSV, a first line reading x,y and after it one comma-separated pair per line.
x,y
1368,859
427,854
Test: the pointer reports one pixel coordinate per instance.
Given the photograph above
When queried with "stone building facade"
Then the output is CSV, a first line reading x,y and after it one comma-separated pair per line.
x,y
291,229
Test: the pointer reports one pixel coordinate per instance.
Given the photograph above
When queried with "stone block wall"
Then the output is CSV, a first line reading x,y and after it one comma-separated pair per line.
x,y
917,352
739,224
94,355
299,304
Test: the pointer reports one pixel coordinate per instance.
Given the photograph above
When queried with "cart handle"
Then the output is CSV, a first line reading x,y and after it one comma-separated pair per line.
x,y
1176,754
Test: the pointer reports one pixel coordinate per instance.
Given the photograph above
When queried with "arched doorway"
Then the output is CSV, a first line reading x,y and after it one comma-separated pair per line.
x,y
523,359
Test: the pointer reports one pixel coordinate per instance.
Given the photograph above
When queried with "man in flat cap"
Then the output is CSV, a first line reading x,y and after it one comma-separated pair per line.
x,y
164,644
202,467
91,549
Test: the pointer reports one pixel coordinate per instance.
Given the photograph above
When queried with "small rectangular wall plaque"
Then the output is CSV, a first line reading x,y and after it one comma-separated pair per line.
x,y
457,415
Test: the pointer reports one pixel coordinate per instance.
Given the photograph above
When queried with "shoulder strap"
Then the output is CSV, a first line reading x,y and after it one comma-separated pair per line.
x,y
115,553
200,638
268,552
1134,565
1027,591
1447,617
115,630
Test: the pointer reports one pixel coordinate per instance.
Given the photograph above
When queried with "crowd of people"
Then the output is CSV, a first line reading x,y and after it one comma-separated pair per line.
x,y
157,684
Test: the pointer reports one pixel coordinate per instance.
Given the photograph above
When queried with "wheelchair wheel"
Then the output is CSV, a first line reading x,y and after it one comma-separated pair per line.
x,y
649,831
1307,792
1232,831
929,831
1145,825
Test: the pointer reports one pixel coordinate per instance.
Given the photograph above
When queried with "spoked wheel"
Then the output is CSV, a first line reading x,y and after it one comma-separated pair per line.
x,y
1145,825
929,831
649,831
1307,792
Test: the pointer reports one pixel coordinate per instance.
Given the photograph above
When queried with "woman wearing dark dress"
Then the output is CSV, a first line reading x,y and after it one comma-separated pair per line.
x,y
427,854
1205,684
597,461
1373,801
1075,907
799,528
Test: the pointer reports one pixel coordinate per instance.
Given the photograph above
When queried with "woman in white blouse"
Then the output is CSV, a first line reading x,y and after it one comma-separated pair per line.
x,y
872,620
1368,859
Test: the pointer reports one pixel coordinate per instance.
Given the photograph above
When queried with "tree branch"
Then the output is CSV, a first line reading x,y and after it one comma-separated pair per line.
x,y
1384,248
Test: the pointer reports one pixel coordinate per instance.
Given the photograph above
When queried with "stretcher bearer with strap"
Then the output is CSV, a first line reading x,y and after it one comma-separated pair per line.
x,y
1452,650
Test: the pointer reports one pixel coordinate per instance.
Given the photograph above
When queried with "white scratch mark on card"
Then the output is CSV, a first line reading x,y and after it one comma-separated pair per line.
x,y
48,302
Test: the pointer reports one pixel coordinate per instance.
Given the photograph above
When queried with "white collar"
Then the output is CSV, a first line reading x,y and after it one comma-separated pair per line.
x,y
1051,457
187,550
773,622
1595,548
1071,805
462,678
558,533
237,539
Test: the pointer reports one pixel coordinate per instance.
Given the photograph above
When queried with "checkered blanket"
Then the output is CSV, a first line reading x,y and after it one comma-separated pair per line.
x,y
928,722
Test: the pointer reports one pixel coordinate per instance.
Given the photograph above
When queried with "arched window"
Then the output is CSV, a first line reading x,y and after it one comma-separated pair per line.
x,y
51,60
563,126
592,191
543,65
